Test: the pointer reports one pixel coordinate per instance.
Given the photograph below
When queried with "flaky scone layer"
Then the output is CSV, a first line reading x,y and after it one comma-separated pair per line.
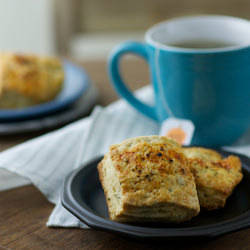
x,y
147,179
215,177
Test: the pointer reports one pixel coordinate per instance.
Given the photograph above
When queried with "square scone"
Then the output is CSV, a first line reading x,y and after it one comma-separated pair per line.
x,y
146,179
29,79
215,176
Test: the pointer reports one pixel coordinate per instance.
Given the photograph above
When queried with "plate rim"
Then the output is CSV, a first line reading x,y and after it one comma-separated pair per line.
x,y
96,221
79,109
8,115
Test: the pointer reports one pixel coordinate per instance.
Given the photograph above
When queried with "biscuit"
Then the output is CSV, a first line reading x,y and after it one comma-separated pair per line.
x,y
146,179
215,177
27,80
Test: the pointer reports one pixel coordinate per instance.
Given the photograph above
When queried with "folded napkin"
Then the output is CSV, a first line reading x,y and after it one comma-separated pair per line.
x,y
47,160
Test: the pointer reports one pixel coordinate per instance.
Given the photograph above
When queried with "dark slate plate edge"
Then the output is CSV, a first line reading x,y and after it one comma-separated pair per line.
x,y
93,220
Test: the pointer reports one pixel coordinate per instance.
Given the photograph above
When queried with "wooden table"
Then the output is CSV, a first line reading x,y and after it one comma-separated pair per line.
x,y
24,211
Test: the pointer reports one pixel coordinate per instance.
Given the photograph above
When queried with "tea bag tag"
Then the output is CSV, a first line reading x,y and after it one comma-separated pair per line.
x,y
179,129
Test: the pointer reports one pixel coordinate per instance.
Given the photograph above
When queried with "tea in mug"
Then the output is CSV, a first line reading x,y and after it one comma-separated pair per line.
x,y
205,44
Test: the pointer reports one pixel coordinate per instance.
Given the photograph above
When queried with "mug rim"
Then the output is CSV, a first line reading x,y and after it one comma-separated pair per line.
x,y
156,44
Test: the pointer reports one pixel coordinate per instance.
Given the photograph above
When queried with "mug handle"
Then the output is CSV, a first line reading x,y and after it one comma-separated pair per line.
x,y
117,81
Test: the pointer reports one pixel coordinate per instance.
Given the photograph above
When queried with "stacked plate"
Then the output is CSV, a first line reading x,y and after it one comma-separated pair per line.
x,y
75,100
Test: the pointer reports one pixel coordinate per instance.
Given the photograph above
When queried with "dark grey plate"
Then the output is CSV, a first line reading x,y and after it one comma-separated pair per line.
x,y
78,109
83,196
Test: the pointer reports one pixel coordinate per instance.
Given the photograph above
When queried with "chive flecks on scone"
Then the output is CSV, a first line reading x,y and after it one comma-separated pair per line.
x,y
146,179
215,176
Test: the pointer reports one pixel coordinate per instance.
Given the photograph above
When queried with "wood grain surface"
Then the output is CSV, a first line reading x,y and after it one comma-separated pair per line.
x,y
24,211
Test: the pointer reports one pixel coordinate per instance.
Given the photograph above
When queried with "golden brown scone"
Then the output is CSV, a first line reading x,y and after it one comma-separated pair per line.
x,y
146,179
27,80
204,154
215,177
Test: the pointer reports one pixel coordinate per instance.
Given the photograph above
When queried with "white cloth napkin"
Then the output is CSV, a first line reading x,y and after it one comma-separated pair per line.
x,y
48,159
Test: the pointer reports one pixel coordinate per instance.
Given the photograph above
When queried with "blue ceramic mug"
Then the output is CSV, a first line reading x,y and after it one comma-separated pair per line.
x,y
200,70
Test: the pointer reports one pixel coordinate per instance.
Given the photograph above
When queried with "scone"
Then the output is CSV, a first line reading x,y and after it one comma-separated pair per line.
x,y
215,177
27,80
146,179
